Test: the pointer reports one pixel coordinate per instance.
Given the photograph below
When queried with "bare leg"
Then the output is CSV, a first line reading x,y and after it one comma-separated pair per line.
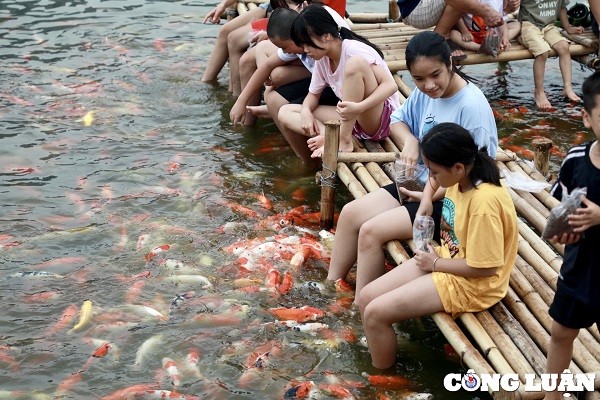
x,y
220,54
456,37
248,66
359,83
560,351
539,68
389,225
290,126
352,217
404,293
564,62
237,44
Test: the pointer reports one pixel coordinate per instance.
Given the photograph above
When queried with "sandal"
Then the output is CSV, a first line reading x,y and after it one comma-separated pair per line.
x,y
455,47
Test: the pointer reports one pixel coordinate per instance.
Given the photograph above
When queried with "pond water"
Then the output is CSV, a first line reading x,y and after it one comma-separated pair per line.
x,y
134,214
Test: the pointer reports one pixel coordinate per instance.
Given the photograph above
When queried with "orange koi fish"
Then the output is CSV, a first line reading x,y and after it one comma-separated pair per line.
x,y
263,200
102,350
299,390
65,319
41,296
67,384
158,249
342,286
172,167
302,314
129,392
165,394
392,382
336,390
8,359
238,208
134,291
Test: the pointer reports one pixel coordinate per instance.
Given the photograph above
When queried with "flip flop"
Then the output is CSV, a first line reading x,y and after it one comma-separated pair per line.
x,y
455,47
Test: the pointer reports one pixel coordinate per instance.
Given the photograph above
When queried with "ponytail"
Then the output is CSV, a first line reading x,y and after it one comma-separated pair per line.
x,y
448,143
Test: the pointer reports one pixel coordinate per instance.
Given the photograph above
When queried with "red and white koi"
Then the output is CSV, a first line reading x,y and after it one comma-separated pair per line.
x,y
157,250
190,280
309,327
192,362
165,394
172,371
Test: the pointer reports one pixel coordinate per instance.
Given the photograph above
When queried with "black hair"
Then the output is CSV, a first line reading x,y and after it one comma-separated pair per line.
x,y
591,90
275,4
448,143
315,20
280,23
431,45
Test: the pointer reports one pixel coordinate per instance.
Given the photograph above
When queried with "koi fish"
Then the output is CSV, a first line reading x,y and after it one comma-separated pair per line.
x,y
192,360
35,274
67,384
299,390
336,391
129,392
41,296
88,118
134,291
102,350
302,314
67,315
165,394
157,250
85,316
180,298
309,327
172,371
190,279
342,286
263,200
141,242
240,209
392,382
146,348
8,359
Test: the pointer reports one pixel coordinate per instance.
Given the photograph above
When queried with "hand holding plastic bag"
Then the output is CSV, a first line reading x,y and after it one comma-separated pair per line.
x,y
558,221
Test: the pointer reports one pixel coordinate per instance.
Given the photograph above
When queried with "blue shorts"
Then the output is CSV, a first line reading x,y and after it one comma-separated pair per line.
x,y
571,312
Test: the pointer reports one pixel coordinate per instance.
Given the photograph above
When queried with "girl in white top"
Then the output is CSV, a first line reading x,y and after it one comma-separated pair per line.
x,y
354,69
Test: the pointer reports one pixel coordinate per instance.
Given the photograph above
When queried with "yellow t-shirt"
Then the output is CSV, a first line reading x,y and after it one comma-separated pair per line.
x,y
481,226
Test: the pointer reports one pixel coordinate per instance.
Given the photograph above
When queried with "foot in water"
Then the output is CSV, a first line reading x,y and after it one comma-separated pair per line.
x,y
260,111
541,101
571,95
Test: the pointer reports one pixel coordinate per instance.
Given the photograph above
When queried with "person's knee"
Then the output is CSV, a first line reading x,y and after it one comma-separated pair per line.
x,y
247,63
368,237
283,115
355,66
562,48
563,335
362,299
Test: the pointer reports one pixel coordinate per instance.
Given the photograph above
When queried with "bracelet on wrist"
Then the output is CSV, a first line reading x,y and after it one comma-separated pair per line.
x,y
434,261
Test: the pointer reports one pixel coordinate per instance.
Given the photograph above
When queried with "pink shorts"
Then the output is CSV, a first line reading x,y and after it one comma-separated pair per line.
x,y
384,125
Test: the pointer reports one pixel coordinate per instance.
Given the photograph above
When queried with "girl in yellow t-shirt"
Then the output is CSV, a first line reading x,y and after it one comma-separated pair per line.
x,y
469,271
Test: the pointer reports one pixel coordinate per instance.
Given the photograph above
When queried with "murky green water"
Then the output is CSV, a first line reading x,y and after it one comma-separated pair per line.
x,y
111,147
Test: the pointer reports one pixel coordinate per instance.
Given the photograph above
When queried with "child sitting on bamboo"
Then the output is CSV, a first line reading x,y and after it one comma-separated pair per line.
x,y
471,30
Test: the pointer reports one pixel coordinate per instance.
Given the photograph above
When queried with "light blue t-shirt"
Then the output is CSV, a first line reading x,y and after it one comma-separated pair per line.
x,y
468,108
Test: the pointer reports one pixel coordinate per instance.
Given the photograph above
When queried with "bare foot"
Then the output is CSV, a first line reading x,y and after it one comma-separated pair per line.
x,y
571,95
259,111
542,101
318,152
315,143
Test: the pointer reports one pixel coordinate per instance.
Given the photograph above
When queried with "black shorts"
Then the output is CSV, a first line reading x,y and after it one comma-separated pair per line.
x,y
412,207
295,92
572,313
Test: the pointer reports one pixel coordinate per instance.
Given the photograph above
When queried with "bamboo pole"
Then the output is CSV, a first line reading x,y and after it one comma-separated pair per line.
x,y
353,185
588,41
540,246
470,355
486,344
585,348
541,159
523,208
511,55
328,176
381,157
542,270
532,326
543,195
364,17
519,337
405,90
364,177
503,342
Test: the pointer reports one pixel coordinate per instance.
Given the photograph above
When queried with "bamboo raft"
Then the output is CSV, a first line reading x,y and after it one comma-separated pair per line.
x,y
511,337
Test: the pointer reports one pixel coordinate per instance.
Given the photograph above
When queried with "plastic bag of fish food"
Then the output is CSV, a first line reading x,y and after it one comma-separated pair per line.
x,y
558,220
491,42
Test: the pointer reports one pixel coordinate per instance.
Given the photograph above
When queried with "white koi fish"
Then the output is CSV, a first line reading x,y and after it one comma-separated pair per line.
x,y
146,348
